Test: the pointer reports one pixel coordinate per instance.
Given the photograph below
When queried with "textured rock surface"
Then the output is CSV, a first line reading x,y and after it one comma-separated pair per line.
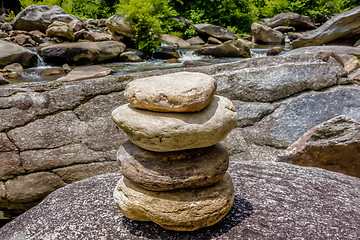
x,y
36,17
231,48
265,34
82,52
290,19
117,24
60,29
173,170
163,132
333,145
181,210
272,201
175,41
13,53
215,31
177,92
319,49
344,26
88,134
82,73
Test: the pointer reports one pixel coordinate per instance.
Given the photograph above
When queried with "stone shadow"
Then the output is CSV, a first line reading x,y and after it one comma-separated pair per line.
x,y
241,210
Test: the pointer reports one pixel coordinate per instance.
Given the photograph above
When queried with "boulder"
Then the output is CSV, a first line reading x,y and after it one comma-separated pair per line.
x,y
333,145
60,29
212,40
173,170
14,67
177,92
164,132
87,72
6,27
275,200
336,49
13,53
189,63
166,53
3,34
82,52
96,36
284,29
290,19
4,81
274,51
265,34
195,41
181,210
344,26
25,40
174,41
52,71
118,24
218,32
231,48
131,55
36,17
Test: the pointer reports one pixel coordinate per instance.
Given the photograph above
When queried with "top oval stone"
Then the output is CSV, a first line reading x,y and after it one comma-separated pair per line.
x,y
176,92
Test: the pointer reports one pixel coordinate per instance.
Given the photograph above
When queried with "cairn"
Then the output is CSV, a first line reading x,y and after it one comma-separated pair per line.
x,y
174,168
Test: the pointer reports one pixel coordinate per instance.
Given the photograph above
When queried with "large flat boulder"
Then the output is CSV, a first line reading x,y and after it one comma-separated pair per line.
x,y
13,53
217,32
344,26
290,19
80,53
272,200
231,48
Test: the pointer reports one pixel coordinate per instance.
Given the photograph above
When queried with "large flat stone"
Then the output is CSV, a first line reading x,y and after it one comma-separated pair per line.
x,y
181,210
163,132
272,201
13,53
177,92
173,170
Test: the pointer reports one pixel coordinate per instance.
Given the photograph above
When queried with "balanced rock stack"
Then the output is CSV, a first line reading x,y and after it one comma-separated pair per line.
x,y
174,169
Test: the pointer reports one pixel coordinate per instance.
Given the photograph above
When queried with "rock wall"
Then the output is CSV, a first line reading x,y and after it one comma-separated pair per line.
x,y
52,134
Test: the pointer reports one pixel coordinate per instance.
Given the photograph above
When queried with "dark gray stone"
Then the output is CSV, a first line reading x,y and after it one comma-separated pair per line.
x,y
290,19
342,27
251,112
218,32
13,53
272,201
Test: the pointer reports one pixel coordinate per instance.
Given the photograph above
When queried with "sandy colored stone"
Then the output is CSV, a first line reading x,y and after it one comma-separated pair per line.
x,y
173,170
182,210
163,132
87,72
176,92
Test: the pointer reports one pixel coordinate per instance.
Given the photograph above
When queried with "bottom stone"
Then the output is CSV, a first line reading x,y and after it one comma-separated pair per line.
x,y
181,210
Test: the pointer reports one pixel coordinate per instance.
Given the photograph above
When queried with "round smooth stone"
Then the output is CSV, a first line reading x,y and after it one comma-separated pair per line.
x,y
175,92
164,132
181,210
163,171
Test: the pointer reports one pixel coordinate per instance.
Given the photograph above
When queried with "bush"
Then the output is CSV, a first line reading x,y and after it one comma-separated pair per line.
x,y
150,18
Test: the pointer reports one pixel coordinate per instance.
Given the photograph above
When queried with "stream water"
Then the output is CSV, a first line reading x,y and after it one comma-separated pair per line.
x,y
34,74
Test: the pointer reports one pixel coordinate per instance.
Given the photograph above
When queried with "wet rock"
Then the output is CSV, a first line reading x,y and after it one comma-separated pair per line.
x,y
344,26
177,131
181,210
212,40
333,145
82,73
189,63
173,170
131,55
3,34
265,205
14,67
82,52
96,37
178,92
265,34
117,24
60,29
290,19
13,53
175,41
195,41
232,48
274,51
218,32
166,53
36,17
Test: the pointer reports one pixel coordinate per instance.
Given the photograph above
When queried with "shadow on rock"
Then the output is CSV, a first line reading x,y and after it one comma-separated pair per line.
x,y
238,213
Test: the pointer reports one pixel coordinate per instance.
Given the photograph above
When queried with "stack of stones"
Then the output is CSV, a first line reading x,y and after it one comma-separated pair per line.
x,y
174,168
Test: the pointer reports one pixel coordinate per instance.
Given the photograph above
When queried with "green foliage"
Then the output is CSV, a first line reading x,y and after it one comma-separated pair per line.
x,y
10,17
150,18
